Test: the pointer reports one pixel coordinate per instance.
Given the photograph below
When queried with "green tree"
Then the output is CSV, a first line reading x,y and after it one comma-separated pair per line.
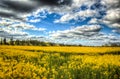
x,y
4,41
17,42
1,42
11,41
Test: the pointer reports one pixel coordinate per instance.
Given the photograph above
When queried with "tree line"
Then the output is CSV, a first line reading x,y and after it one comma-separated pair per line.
x,y
4,41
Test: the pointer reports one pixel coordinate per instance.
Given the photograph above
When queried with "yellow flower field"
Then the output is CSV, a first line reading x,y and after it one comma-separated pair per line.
x,y
66,49
34,62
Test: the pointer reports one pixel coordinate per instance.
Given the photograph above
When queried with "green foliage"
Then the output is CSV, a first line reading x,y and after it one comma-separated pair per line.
x,y
29,42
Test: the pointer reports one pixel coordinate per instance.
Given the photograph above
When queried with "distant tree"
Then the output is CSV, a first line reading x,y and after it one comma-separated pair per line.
x,y
112,44
4,41
115,44
1,41
11,41
17,42
31,43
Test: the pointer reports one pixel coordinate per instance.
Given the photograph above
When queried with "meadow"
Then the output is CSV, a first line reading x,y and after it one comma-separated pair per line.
x,y
35,62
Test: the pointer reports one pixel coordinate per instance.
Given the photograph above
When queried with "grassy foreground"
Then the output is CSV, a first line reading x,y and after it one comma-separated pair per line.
x,y
33,62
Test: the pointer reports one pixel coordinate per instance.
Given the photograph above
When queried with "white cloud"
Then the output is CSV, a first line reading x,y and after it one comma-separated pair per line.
x,y
86,33
78,3
27,8
13,17
113,14
93,21
78,32
112,18
75,16
34,20
116,31
37,16
39,29
22,26
15,28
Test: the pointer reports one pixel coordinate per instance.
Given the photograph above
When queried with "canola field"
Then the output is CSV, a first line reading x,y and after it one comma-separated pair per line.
x,y
34,62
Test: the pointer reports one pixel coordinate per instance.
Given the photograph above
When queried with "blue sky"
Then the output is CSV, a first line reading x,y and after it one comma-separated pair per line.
x,y
87,22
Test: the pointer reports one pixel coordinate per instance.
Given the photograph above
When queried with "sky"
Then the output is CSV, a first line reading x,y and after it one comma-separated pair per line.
x,y
86,22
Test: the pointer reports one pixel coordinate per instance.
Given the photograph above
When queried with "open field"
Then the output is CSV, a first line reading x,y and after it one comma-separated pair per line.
x,y
55,49
34,62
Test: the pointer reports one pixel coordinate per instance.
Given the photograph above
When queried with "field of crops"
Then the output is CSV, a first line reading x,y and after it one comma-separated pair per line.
x,y
33,62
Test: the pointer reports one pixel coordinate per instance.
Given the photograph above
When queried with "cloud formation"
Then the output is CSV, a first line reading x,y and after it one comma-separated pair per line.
x,y
79,32
86,35
16,8
21,9
76,16
17,16
112,17
11,28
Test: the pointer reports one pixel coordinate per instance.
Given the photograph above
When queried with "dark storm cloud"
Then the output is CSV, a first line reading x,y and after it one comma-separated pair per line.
x,y
18,6
55,2
28,5
12,8
6,14
10,15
